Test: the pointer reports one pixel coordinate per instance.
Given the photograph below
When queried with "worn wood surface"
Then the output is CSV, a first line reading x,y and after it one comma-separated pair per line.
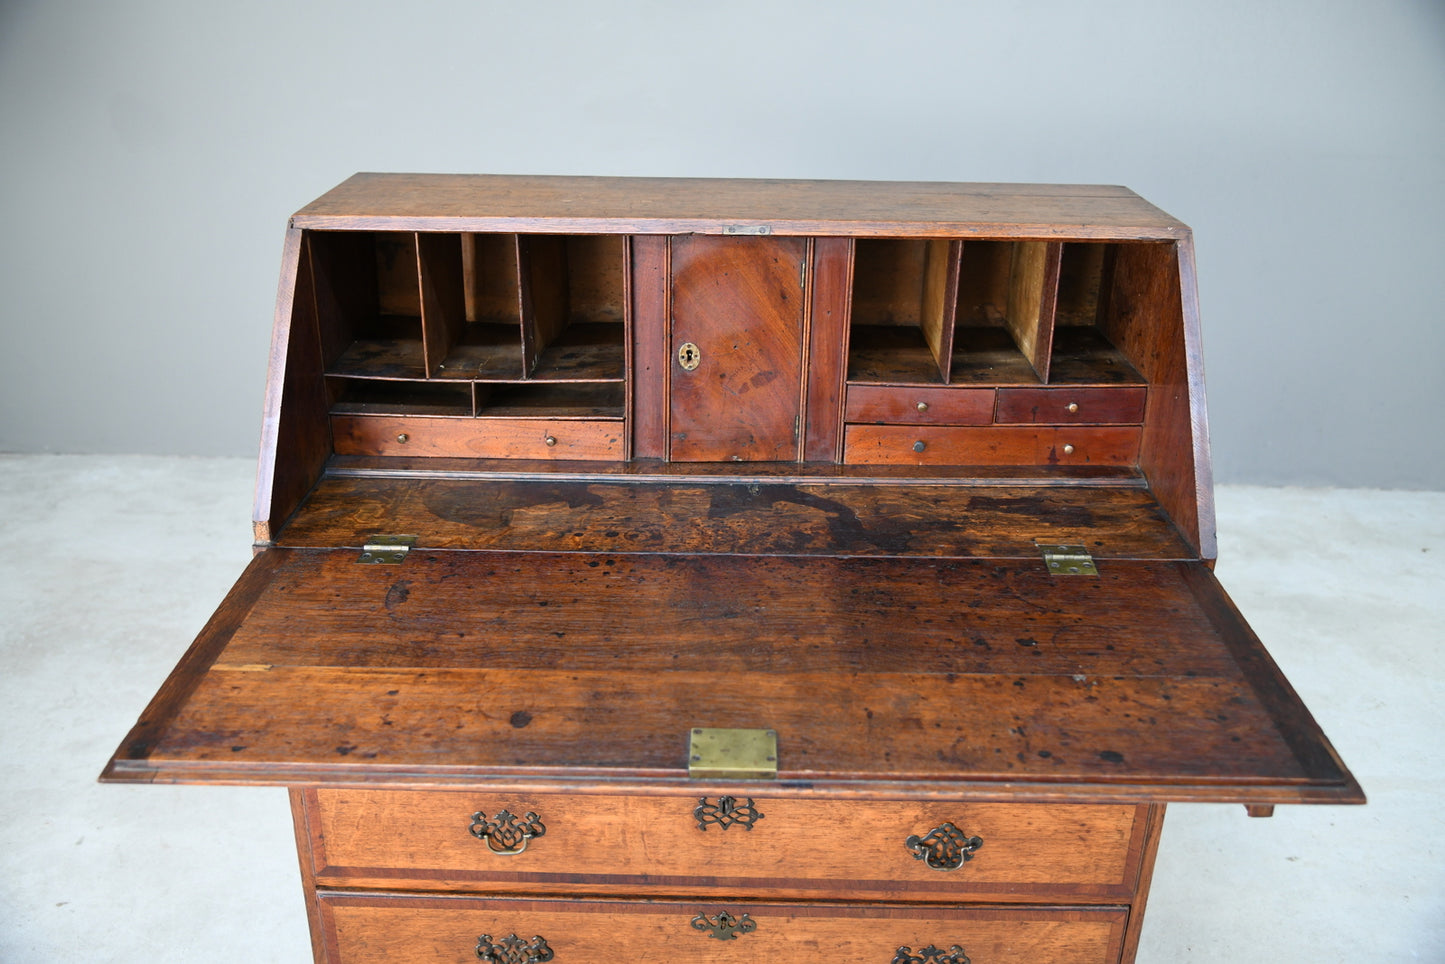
x,y
799,847
740,301
399,928
469,666
1154,829
762,516
827,357
617,205
991,445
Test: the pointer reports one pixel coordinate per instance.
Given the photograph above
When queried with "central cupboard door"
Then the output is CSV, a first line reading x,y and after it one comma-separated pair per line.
x,y
737,348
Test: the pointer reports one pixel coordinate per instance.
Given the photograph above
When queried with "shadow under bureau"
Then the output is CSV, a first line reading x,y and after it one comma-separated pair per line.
x,y
700,570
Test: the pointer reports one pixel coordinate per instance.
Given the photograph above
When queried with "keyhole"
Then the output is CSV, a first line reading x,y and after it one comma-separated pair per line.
x,y
688,356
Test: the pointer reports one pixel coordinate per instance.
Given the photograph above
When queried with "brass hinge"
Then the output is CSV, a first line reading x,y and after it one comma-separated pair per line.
x,y
716,754
385,550
748,230
1069,560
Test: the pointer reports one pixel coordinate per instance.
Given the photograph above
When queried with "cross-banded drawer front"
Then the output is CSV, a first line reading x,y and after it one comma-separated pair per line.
x,y
1063,405
990,445
392,929
717,843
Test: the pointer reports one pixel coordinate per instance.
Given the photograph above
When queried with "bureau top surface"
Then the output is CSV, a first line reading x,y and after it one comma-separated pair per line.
x,y
515,203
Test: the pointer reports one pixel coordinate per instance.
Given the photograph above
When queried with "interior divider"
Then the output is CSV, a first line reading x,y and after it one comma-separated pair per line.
x,y
443,296
1033,297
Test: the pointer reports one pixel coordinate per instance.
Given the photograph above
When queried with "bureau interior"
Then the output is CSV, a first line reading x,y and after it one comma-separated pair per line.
x,y
1035,360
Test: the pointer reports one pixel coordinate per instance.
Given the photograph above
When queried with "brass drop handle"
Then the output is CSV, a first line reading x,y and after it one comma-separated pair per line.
x,y
945,847
506,835
930,955
727,812
513,950
724,926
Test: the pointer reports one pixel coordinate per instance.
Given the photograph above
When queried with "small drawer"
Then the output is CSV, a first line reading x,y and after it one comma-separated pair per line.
x,y
919,406
493,438
386,928
990,445
1061,405
771,846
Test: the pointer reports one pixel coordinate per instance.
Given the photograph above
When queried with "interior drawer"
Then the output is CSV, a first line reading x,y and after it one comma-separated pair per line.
x,y
522,438
990,445
919,406
674,844
379,928
1063,405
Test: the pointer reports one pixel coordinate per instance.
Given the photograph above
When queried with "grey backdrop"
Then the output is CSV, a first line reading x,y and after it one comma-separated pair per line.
x,y
151,152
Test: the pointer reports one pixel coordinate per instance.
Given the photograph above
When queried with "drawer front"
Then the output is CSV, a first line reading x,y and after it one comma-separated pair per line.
x,y
919,406
390,929
991,445
494,438
1071,406
696,844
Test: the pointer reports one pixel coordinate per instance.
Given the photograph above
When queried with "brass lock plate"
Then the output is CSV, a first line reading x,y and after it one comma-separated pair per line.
x,y
723,754
688,356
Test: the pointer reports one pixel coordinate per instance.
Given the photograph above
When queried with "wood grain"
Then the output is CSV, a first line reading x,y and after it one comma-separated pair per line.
x,y
1067,405
800,847
740,301
330,713
756,516
992,445
483,437
602,205
919,405
828,349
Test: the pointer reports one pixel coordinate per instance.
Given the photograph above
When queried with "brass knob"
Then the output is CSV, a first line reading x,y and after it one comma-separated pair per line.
x,y
551,440
923,406
403,438
1073,406
919,446
1068,450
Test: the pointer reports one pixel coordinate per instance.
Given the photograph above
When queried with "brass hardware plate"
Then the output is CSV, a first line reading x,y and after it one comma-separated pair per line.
x,y
944,847
727,812
513,950
1069,560
747,229
722,754
506,834
385,550
688,356
724,926
931,954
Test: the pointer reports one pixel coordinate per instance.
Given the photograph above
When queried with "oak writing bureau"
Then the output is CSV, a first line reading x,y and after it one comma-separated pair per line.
x,y
700,570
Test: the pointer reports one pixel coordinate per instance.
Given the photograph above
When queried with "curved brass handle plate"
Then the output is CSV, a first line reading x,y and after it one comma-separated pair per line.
x,y
930,955
725,813
944,847
506,834
513,950
724,926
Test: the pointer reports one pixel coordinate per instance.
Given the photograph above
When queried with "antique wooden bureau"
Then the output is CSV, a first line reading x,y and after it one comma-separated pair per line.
x,y
702,570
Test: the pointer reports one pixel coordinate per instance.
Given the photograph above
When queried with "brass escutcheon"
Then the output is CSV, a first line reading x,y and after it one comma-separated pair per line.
x,y
944,847
688,356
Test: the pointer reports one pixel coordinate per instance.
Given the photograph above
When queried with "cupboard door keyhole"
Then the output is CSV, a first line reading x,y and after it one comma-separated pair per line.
x,y
688,356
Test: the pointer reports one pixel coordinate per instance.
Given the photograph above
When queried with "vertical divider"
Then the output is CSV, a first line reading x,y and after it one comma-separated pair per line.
x,y
827,367
542,264
1033,295
627,370
442,275
940,301
649,365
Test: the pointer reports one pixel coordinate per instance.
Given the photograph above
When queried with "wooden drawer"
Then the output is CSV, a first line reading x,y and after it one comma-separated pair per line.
x,y
395,928
990,445
919,406
1062,405
656,844
521,438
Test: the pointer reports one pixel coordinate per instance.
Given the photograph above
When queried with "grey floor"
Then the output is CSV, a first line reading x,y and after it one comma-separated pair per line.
x,y
115,563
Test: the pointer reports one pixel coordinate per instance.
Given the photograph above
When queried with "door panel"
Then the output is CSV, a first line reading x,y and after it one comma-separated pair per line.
x,y
737,348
